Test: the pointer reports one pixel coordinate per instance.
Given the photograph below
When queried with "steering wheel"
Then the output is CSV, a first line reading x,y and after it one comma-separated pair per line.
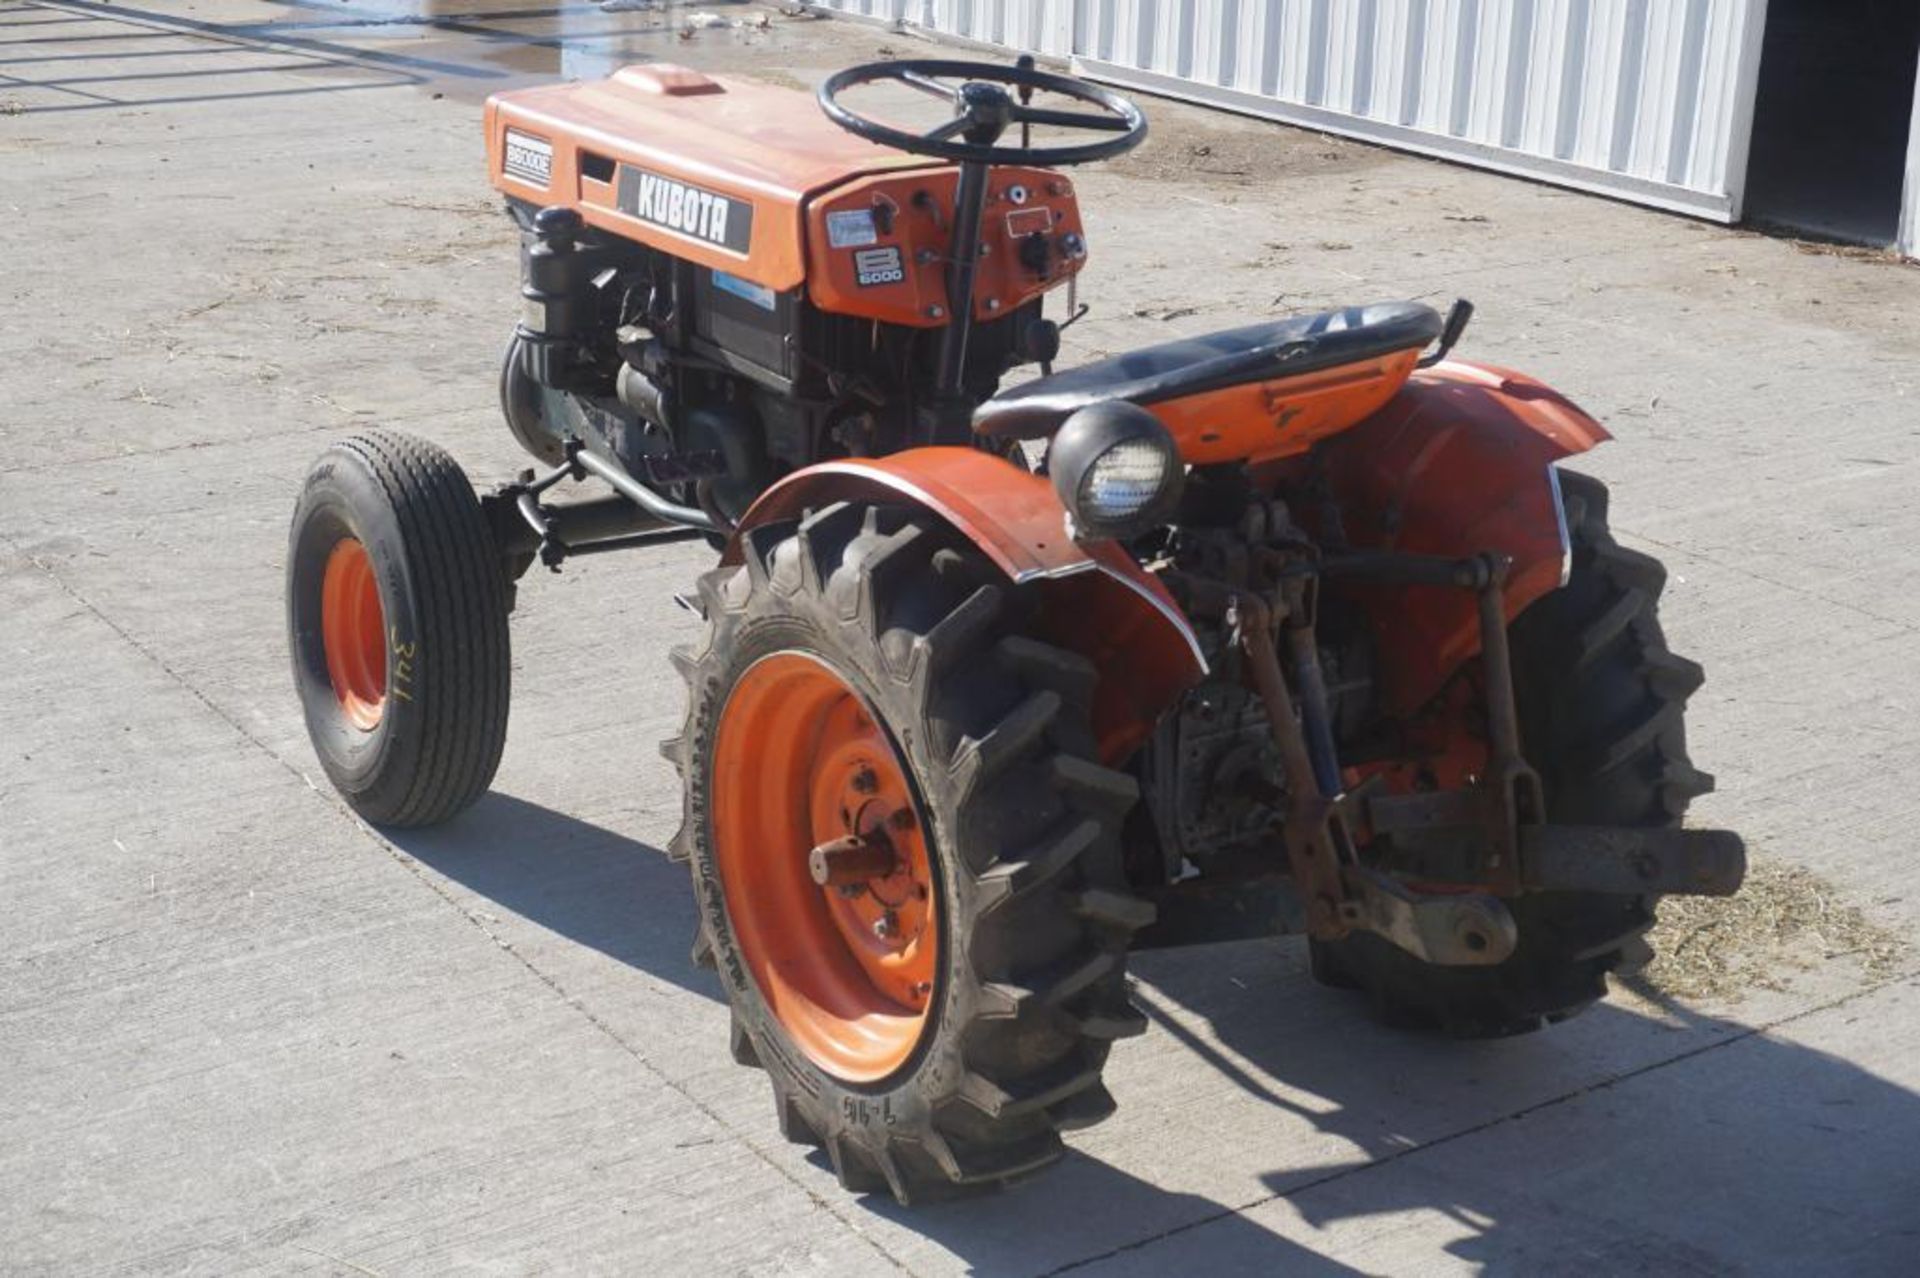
x,y
983,108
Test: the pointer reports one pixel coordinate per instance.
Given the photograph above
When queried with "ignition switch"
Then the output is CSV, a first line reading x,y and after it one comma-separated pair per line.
x,y
1036,254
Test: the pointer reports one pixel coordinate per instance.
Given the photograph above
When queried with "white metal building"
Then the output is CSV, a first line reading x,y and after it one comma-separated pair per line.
x,y
1796,112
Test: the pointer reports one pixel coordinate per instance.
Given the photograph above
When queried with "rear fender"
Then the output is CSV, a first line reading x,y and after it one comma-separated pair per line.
x,y
1095,599
1459,462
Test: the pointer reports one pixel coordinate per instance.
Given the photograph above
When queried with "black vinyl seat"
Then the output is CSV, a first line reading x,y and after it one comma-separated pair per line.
x,y
1174,370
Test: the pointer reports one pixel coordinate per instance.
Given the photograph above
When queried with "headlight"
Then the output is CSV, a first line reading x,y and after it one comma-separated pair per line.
x,y
1116,470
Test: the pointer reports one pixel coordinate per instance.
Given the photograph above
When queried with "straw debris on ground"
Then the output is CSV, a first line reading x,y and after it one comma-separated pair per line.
x,y
1784,919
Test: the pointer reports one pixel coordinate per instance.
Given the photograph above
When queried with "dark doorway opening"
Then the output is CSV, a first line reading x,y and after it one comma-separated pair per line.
x,y
1832,117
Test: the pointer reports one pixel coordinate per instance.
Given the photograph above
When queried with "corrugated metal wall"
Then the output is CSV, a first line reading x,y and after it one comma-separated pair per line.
x,y
1910,212
1031,26
881,10
1034,26
1650,99
1647,99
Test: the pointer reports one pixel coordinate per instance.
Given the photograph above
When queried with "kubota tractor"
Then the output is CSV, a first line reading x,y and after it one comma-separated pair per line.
x,y
1296,627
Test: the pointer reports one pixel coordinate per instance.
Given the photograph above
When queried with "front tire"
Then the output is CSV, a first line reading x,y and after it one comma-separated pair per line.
x,y
397,625
1602,703
861,660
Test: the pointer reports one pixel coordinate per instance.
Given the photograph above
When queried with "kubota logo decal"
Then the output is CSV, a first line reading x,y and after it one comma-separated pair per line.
x,y
706,216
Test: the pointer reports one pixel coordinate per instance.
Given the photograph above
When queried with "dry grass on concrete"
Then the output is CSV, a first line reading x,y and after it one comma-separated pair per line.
x,y
1784,919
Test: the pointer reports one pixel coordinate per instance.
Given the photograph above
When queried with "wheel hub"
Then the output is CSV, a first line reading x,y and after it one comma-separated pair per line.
x,y
823,858
353,631
861,794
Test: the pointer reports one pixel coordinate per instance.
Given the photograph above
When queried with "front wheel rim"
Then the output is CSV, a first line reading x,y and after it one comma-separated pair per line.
x,y
849,969
353,632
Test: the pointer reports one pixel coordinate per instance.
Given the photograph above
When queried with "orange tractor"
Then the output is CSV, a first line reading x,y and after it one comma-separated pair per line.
x,y
1294,628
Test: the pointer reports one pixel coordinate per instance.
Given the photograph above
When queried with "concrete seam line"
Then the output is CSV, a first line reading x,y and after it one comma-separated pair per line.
x,y
319,50
268,437
413,867
128,638
161,451
1905,628
1526,1112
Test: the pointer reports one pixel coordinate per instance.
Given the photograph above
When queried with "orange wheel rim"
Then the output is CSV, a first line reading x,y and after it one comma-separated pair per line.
x,y
353,629
848,969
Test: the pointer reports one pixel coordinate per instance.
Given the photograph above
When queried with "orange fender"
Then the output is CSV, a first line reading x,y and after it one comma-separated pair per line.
x,y
1459,462
1097,600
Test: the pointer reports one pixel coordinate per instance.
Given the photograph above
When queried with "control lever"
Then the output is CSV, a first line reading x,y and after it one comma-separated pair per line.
x,y
1456,324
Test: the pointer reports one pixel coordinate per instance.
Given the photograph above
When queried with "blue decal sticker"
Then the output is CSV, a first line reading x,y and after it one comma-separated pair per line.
x,y
759,294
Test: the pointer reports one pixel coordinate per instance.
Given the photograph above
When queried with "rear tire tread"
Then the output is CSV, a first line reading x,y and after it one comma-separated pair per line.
x,y
1042,896
1595,658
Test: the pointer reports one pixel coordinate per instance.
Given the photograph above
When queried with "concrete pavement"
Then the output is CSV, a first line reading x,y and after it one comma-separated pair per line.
x,y
241,1032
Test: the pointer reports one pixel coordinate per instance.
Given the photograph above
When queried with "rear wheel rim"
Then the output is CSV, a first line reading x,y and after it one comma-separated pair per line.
x,y
353,631
848,971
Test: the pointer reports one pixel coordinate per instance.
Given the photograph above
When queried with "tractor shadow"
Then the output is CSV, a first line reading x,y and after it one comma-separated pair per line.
x,y
1618,1141
623,898
1655,1140
594,886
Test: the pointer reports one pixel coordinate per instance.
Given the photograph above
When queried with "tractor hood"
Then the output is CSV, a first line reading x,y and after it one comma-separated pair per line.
x,y
709,168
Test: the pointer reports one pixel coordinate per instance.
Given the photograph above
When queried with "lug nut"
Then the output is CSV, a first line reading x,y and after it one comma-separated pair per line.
x,y
887,926
865,782
902,819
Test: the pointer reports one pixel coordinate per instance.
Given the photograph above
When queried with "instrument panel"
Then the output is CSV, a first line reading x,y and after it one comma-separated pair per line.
x,y
878,246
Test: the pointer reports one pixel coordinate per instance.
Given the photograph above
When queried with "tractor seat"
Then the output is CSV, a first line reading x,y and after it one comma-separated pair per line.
x,y
1175,370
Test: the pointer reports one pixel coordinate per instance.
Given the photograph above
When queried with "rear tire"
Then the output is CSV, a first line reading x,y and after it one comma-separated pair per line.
x,y
1602,701
993,730
397,622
